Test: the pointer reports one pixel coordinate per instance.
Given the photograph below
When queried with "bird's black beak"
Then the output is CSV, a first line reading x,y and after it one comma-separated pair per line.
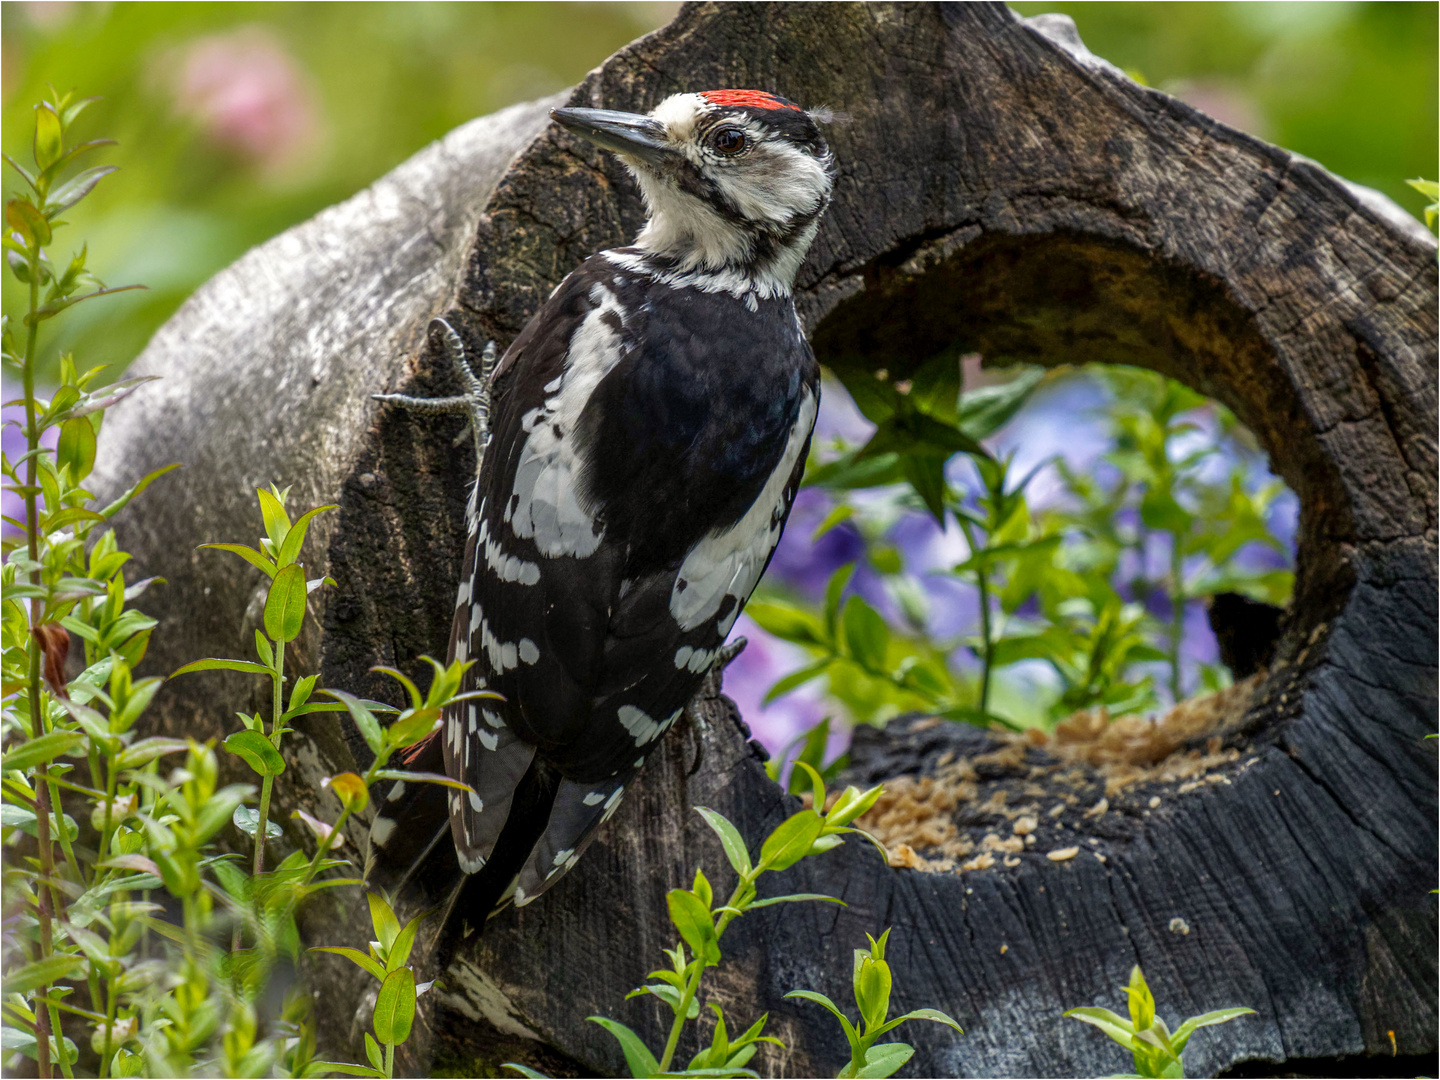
x,y
628,134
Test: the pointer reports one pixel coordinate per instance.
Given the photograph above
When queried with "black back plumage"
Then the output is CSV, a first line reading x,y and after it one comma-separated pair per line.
x,y
647,438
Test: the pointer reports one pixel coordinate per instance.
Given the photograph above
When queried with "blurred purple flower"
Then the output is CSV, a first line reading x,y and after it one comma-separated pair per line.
x,y
763,663
12,437
248,95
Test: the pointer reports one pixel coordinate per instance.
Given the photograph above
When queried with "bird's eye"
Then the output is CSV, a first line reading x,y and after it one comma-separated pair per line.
x,y
729,141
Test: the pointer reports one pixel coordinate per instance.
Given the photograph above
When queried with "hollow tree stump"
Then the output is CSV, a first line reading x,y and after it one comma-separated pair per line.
x,y
1002,191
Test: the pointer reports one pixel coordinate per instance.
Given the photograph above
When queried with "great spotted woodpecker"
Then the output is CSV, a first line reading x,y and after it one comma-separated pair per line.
x,y
647,433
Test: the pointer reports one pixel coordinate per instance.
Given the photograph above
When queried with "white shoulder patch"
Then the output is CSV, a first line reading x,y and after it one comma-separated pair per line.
x,y
730,563
546,505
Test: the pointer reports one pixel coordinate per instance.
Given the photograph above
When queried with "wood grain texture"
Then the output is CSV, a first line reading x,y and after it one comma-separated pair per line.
x,y
1000,191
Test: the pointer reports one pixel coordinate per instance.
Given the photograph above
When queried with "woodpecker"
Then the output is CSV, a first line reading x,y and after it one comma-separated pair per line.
x,y
647,432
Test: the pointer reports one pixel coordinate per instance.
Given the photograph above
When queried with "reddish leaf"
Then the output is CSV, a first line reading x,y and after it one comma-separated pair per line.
x,y
54,642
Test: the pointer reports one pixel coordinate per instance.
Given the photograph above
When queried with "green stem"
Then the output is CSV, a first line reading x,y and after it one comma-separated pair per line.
x,y
692,985
45,1022
277,711
389,1059
1177,613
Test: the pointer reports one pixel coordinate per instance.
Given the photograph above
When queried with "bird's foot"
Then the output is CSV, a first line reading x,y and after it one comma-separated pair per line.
x,y
709,690
474,403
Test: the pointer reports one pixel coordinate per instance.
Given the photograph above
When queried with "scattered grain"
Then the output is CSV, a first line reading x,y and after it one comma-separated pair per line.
x,y
1025,826
983,861
1179,926
1061,854
1098,809
1154,801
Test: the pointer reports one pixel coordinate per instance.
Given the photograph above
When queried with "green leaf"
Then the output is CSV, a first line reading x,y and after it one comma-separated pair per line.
x,y
277,522
1117,1027
409,730
637,1055
730,839
791,841
41,972
839,514
285,604
257,751
76,448
926,475
76,188
525,1070
866,636
422,778
1142,1002
249,554
263,650
885,1059
692,918
786,621
248,822
1218,1016
795,898
872,988
49,136
319,1068
294,539
399,951
213,664
919,1014
834,590
372,1049
395,1007
34,752
147,750
986,410
364,719
820,999
797,679
143,483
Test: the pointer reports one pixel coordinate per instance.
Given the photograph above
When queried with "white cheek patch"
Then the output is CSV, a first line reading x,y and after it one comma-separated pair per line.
x,y
730,563
545,505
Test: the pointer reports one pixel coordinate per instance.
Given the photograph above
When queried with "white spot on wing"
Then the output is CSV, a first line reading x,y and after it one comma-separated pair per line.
x,y
729,563
529,651
638,723
506,567
475,802
381,829
594,798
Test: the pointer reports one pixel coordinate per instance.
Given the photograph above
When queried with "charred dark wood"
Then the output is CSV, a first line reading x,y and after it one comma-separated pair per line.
x,y
1001,191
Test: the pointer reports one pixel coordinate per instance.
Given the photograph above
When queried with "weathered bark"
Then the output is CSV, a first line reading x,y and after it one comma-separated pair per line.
x,y
1000,191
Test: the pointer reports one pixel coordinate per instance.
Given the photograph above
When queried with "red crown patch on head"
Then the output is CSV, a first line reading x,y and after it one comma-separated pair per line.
x,y
751,99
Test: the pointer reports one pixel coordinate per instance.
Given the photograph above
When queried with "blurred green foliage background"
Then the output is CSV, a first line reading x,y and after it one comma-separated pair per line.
x,y
237,120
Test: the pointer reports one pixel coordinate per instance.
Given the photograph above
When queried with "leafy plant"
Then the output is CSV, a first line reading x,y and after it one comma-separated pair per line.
x,y
872,982
395,1002
1157,1051
701,922
95,832
1071,586
1431,190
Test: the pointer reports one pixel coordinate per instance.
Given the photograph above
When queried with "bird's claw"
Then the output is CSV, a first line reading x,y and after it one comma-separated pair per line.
x,y
474,404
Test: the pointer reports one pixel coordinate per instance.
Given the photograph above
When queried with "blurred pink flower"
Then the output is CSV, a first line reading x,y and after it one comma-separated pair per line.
x,y
248,95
